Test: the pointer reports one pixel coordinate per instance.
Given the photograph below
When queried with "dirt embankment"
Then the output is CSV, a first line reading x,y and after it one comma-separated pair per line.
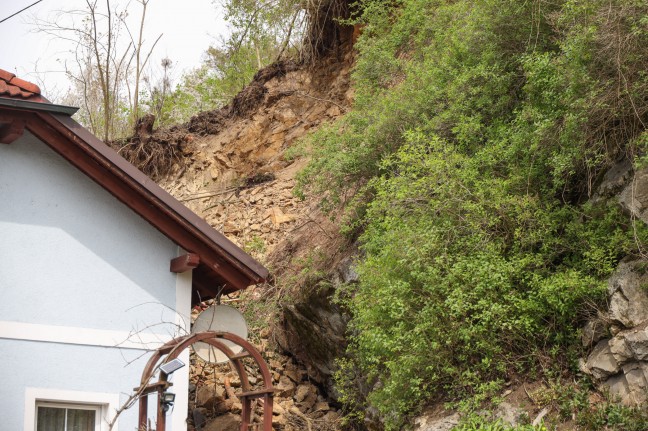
x,y
231,170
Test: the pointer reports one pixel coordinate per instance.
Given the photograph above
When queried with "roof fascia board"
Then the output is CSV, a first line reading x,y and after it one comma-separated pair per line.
x,y
38,106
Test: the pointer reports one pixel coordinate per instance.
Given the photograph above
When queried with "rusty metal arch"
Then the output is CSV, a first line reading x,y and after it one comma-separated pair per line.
x,y
174,347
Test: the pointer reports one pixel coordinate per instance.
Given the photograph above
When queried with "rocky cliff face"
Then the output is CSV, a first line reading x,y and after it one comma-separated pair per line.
x,y
619,337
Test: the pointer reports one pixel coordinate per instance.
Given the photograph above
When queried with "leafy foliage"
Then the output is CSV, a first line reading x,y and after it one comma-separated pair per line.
x,y
479,132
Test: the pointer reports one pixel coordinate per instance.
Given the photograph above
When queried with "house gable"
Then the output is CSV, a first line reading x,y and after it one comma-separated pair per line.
x,y
222,267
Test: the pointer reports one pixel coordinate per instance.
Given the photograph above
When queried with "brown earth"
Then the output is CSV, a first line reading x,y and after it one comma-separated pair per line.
x,y
229,167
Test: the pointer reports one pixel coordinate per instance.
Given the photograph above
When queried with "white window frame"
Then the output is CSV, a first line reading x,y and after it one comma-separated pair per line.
x,y
106,404
96,408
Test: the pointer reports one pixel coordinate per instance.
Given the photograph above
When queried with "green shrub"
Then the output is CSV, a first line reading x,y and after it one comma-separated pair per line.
x,y
480,130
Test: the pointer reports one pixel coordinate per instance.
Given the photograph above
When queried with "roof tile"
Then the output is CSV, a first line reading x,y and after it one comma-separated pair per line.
x,y
6,76
25,85
13,87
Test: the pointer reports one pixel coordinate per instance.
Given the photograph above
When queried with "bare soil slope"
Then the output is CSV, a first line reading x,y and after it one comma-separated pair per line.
x,y
231,170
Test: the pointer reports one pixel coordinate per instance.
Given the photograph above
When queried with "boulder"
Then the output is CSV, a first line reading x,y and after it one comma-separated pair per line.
x,y
635,375
314,332
617,386
634,196
628,297
209,396
631,386
601,361
636,342
620,350
226,422
615,179
434,423
593,332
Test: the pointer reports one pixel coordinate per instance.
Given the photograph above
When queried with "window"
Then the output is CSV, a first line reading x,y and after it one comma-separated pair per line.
x,y
64,410
66,417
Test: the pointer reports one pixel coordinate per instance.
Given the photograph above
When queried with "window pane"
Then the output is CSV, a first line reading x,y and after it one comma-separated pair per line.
x,y
80,420
50,419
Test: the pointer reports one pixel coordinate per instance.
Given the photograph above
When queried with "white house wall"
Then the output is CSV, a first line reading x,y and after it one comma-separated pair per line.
x,y
78,271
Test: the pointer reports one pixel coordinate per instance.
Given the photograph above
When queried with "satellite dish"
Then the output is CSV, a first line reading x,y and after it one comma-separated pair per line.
x,y
219,318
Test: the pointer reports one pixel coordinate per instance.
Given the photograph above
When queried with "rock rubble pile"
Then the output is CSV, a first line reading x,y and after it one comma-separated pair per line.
x,y
298,404
234,174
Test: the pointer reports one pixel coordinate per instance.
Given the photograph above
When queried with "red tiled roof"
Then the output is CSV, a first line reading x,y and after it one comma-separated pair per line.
x,y
16,88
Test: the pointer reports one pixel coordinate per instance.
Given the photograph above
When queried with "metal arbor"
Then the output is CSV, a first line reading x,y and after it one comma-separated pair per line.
x,y
173,348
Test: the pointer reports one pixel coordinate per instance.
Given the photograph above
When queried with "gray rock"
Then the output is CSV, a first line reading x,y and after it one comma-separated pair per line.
x,y
593,332
226,422
635,375
508,413
617,386
636,341
634,196
435,423
620,349
630,387
314,330
628,297
346,272
601,362
614,180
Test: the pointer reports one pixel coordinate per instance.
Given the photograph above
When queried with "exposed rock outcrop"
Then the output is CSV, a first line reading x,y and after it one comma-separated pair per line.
x,y
619,359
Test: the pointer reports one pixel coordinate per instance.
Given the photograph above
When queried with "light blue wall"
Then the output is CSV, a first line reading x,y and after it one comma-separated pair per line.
x,y
50,365
70,253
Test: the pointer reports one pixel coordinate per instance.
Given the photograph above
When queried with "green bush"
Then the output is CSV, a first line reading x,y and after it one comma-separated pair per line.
x,y
480,131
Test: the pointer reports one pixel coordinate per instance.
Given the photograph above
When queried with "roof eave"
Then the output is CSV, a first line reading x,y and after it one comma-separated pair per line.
x,y
32,105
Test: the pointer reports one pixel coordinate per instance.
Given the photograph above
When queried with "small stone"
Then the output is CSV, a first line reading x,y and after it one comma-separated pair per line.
x,y
302,392
307,404
322,406
235,381
236,408
279,420
275,364
293,375
285,388
277,409
331,416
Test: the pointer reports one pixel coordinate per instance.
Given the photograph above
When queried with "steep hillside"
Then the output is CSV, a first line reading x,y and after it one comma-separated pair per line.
x,y
479,168
231,169
234,173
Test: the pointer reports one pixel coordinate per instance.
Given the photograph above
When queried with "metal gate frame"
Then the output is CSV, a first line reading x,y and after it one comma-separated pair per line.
x,y
174,347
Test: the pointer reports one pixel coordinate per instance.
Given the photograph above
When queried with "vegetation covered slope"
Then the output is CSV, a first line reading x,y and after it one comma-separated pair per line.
x,y
479,133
